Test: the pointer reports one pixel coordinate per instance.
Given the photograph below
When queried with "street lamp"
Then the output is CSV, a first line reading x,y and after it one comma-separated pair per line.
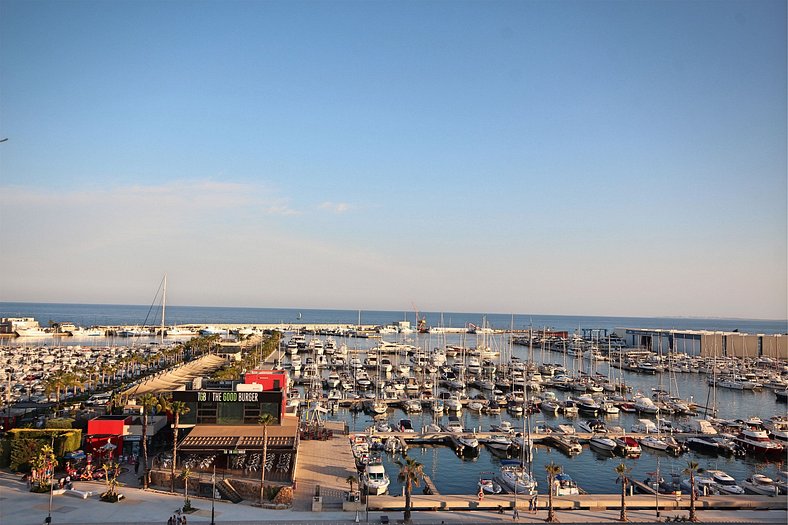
x,y
51,482
213,493
656,491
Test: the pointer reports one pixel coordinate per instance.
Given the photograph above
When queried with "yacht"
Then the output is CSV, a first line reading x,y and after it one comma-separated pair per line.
x,y
725,483
587,404
757,441
654,442
375,479
602,443
468,441
760,484
453,425
499,442
646,405
568,444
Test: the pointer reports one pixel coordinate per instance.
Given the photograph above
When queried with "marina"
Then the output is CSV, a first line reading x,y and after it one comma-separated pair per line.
x,y
541,402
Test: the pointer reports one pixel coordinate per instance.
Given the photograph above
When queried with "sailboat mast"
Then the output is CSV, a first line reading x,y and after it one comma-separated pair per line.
x,y
163,304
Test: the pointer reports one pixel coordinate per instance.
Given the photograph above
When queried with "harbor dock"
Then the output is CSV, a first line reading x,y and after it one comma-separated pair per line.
x,y
598,502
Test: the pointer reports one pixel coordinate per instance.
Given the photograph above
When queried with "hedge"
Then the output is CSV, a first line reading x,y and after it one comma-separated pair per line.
x,y
66,440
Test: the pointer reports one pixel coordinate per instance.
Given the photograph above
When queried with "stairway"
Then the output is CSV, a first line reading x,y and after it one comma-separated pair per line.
x,y
227,491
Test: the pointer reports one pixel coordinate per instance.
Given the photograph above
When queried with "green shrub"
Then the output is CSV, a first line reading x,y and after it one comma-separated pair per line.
x,y
23,451
5,453
60,423
65,440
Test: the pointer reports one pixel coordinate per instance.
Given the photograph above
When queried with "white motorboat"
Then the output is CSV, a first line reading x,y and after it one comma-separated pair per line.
x,y
499,442
565,486
760,484
453,425
653,442
602,443
646,405
488,485
375,478
469,441
503,426
725,483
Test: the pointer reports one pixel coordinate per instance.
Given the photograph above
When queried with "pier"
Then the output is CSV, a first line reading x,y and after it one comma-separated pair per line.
x,y
597,502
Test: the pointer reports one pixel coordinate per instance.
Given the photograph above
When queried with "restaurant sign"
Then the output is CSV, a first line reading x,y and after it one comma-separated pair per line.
x,y
228,397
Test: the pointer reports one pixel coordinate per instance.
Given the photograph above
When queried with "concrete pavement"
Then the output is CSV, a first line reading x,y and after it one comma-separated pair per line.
x,y
18,506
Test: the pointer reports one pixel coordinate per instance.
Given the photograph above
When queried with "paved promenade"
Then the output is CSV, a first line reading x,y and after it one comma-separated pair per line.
x,y
20,507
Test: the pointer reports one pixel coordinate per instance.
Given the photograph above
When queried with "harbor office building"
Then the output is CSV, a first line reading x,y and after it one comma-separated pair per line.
x,y
224,429
706,343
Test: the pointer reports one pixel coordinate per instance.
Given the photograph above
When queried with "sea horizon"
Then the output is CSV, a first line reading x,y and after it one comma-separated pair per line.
x,y
87,314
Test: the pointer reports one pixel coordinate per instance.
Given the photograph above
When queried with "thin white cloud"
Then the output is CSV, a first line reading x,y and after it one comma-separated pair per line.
x,y
335,207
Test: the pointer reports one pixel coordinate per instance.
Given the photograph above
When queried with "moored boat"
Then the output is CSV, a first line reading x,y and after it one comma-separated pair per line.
x,y
760,484
757,441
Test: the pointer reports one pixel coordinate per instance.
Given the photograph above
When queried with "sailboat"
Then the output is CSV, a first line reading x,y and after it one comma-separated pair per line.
x,y
516,474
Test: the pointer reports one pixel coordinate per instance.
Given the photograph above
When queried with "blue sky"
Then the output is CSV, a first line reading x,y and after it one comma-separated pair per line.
x,y
608,158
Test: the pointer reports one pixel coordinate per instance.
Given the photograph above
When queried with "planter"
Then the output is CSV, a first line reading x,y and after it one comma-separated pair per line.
x,y
111,498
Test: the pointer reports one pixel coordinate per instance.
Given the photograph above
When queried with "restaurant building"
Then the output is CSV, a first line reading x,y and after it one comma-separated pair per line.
x,y
222,429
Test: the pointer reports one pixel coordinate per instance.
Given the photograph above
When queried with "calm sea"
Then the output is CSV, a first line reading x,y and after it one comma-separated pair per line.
x,y
113,314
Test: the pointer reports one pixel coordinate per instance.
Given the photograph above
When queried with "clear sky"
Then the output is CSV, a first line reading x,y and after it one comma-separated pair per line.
x,y
589,157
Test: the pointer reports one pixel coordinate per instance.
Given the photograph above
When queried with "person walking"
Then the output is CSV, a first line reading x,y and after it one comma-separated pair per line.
x,y
531,504
515,514
136,465
536,503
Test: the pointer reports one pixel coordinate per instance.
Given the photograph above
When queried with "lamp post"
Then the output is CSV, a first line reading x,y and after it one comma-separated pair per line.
x,y
656,491
213,493
51,482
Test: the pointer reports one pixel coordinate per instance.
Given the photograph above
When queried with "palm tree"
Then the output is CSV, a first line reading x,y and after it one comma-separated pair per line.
x,y
185,473
692,469
350,480
410,473
148,402
623,472
175,409
552,471
264,421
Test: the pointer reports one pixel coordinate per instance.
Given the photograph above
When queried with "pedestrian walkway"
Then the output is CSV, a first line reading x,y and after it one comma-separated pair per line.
x,y
18,506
